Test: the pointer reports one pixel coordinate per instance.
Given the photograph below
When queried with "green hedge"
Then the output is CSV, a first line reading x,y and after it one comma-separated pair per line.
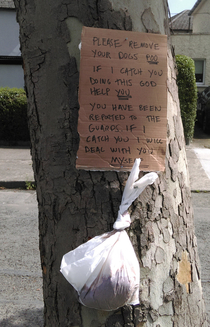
x,y
13,116
187,94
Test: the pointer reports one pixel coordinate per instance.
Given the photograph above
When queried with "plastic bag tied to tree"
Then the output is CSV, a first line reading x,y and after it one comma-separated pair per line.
x,y
105,270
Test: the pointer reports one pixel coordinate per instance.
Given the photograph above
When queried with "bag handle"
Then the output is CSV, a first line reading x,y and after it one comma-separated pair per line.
x,y
133,189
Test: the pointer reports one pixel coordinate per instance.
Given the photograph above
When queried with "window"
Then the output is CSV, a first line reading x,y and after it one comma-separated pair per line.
x,y
199,70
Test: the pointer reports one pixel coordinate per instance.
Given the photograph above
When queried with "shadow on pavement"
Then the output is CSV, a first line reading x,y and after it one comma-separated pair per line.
x,y
199,134
25,318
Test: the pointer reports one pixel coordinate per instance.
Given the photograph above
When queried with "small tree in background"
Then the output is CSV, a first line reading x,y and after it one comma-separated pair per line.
x,y
187,94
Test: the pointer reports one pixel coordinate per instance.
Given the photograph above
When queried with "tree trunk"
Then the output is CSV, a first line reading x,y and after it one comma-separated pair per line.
x,y
75,205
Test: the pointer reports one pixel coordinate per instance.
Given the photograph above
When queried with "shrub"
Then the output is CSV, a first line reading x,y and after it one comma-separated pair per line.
x,y
187,94
13,116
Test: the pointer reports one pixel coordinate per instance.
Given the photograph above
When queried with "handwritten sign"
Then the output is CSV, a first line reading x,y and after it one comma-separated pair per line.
x,y
123,101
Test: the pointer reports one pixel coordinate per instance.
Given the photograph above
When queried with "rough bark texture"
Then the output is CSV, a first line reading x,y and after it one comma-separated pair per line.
x,y
76,205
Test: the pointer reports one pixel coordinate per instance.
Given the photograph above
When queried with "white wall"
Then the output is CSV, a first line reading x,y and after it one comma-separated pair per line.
x,y
10,75
201,18
196,46
9,33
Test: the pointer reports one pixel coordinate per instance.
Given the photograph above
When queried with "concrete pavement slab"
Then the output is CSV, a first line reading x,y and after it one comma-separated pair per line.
x,y
198,157
203,155
15,166
199,180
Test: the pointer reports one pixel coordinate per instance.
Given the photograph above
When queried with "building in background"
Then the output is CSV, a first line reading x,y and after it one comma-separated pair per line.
x,y
11,71
190,36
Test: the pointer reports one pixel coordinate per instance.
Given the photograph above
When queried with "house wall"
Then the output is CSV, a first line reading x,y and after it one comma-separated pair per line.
x,y
10,75
201,19
9,36
196,46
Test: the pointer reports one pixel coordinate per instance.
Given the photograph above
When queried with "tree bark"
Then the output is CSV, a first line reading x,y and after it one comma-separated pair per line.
x,y
75,205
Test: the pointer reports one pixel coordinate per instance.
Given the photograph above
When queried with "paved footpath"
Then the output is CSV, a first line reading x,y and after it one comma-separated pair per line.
x,y
198,155
15,166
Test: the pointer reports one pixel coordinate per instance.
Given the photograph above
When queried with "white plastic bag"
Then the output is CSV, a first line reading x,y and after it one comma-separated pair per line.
x,y
105,270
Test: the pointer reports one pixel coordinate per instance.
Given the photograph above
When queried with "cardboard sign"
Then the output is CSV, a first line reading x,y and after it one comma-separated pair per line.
x,y
123,100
